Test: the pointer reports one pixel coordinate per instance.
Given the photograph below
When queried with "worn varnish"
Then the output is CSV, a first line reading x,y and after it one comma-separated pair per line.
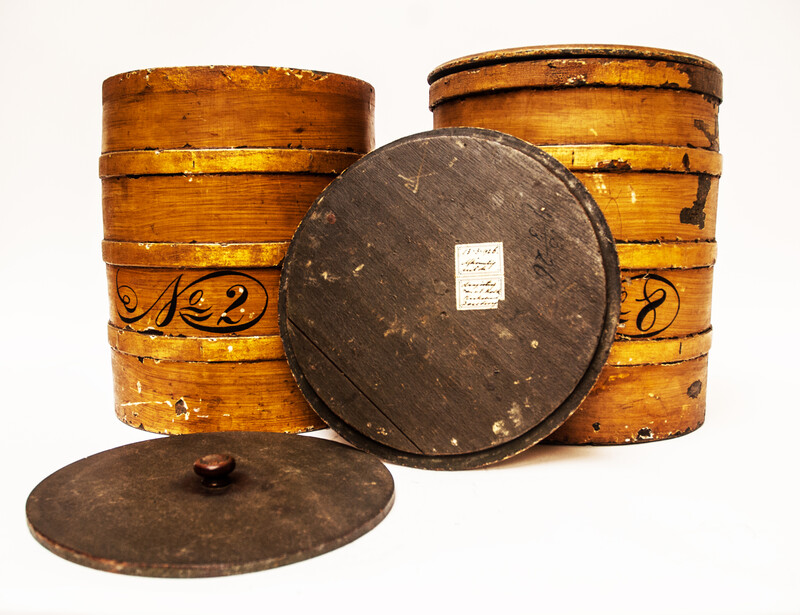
x,y
206,505
450,299
649,193
649,390
600,95
191,107
206,172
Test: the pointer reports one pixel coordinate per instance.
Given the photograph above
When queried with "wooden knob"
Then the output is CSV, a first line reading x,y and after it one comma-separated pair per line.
x,y
214,469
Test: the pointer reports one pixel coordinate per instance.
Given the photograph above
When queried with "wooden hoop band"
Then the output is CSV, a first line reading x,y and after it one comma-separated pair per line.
x,y
194,255
672,255
625,158
207,161
196,349
653,352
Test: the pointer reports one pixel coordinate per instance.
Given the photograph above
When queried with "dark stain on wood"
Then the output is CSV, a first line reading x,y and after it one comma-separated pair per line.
x,y
696,215
694,389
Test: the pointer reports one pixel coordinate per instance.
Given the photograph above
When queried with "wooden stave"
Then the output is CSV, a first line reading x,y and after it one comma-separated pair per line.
x,y
623,116
576,72
164,108
228,396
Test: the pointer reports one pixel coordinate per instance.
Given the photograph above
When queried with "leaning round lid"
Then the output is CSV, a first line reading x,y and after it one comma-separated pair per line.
x,y
544,52
211,504
450,299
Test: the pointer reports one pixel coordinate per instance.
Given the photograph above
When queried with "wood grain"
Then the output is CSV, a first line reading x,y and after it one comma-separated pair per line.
x,y
642,403
195,255
190,107
194,302
196,161
176,397
240,208
576,72
589,116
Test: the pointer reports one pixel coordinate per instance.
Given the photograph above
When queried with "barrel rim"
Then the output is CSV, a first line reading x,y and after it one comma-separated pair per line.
x,y
198,161
544,52
194,255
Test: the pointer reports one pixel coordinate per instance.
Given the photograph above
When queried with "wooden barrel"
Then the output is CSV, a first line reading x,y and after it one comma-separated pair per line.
x,y
600,94
206,172
638,126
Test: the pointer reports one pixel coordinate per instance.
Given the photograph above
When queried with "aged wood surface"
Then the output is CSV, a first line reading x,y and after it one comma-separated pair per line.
x,y
250,207
370,299
589,116
662,303
576,72
140,509
195,161
195,255
645,351
178,397
641,403
606,158
667,255
217,349
190,107
652,55
194,302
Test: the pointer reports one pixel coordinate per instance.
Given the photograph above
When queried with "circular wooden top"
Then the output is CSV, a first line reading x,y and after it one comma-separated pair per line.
x,y
450,299
140,509
542,52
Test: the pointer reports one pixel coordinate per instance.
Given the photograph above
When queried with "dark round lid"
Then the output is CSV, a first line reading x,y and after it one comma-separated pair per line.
x,y
214,504
450,299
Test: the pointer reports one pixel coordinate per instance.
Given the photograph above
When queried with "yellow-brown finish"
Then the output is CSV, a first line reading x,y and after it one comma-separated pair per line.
x,y
177,397
655,351
576,72
195,255
191,107
667,255
193,161
188,302
665,303
589,116
649,193
252,207
211,349
639,404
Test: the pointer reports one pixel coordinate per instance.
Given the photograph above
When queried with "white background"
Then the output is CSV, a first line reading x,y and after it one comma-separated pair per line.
x,y
707,523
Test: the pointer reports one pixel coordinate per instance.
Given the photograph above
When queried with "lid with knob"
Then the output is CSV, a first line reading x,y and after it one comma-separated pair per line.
x,y
209,504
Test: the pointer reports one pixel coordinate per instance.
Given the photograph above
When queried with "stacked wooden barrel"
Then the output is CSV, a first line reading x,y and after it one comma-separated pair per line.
x,y
206,173
638,127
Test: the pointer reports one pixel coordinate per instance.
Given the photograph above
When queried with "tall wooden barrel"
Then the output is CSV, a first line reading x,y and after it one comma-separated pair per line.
x,y
638,126
206,173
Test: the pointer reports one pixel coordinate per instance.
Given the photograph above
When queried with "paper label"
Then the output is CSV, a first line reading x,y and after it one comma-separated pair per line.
x,y
480,278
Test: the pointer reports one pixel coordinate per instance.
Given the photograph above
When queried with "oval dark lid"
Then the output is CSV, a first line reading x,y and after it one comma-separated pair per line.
x,y
450,299
210,504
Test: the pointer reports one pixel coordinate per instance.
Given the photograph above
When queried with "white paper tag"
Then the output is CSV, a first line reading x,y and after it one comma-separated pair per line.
x,y
480,278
